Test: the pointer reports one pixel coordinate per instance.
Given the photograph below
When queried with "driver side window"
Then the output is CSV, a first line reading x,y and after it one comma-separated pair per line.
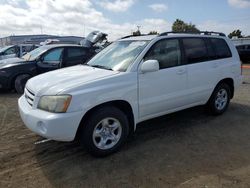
x,y
53,56
167,52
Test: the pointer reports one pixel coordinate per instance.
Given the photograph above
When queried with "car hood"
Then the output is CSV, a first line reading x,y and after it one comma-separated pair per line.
x,y
11,62
55,82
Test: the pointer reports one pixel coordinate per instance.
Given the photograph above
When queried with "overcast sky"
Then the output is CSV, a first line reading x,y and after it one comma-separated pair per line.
x,y
119,17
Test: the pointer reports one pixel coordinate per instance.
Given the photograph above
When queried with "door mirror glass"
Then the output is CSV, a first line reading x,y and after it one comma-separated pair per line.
x,y
150,66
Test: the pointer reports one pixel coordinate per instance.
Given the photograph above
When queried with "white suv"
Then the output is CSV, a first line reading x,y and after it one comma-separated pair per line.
x,y
132,80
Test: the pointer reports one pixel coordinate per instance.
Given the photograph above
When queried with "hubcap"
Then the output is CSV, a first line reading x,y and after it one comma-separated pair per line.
x,y
221,99
107,133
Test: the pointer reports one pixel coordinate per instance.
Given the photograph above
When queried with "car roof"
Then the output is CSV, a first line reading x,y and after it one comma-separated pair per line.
x,y
62,45
48,47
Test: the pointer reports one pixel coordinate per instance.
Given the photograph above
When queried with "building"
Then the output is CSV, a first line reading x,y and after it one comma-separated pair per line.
x,y
239,41
37,39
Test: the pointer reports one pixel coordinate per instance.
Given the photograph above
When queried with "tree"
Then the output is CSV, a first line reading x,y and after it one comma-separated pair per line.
x,y
153,33
138,32
181,26
235,33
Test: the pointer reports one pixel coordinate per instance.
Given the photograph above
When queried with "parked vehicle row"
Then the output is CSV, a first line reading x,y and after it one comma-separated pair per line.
x,y
16,50
14,72
132,80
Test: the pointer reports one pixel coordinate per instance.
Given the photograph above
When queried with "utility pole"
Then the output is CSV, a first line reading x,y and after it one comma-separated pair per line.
x,y
41,29
84,28
138,27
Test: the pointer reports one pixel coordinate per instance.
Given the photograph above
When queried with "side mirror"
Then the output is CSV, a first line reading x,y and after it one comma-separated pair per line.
x,y
40,58
150,66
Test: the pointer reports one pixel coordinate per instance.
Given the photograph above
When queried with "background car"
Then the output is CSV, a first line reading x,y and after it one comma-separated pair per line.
x,y
244,52
16,50
15,72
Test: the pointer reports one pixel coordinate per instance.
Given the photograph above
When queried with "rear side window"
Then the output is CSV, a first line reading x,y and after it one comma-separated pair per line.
x,y
73,53
195,50
221,48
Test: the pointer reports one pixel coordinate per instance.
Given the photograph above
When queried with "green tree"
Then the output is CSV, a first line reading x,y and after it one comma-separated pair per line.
x,y
181,26
136,33
235,33
153,33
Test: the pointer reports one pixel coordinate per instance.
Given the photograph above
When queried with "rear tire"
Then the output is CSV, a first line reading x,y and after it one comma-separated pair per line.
x,y
105,131
219,100
20,82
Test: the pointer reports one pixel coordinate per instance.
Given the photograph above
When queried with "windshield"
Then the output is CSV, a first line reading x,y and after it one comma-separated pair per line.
x,y
31,56
4,48
118,56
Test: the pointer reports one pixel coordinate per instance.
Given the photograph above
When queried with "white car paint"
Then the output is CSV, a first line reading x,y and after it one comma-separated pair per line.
x,y
149,94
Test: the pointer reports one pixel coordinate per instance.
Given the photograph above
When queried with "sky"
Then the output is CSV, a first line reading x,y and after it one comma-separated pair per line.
x,y
119,18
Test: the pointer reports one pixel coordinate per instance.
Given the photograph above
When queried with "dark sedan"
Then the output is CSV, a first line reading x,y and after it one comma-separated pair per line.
x,y
15,72
244,52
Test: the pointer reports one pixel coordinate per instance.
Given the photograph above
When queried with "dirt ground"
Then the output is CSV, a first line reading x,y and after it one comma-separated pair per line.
x,y
184,149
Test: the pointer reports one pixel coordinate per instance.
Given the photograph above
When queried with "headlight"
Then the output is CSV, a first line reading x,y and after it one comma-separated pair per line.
x,y
56,104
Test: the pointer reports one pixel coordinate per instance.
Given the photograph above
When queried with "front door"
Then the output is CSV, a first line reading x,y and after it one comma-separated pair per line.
x,y
164,90
51,60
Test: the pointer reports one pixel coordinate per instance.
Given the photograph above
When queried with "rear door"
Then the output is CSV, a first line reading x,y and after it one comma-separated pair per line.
x,y
75,56
204,58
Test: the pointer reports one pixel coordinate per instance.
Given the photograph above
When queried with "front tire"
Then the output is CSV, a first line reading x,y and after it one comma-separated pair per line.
x,y
105,131
219,101
20,82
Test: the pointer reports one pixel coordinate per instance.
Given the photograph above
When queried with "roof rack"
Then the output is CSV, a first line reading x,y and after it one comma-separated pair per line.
x,y
197,33
134,36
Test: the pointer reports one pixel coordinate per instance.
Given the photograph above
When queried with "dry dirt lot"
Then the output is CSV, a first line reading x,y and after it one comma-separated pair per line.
x,y
184,149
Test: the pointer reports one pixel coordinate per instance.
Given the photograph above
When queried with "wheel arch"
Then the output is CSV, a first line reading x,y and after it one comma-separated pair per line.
x,y
123,105
12,81
230,83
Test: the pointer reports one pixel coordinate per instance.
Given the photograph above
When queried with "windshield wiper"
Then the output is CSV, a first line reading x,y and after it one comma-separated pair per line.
x,y
101,67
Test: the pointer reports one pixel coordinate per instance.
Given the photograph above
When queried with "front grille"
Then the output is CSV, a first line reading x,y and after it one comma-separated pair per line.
x,y
29,96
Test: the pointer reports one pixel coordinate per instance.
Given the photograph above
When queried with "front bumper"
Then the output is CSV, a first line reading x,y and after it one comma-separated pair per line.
x,y
55,126
4,83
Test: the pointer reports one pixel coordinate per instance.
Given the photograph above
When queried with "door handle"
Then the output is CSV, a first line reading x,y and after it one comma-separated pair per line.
x,y
181,71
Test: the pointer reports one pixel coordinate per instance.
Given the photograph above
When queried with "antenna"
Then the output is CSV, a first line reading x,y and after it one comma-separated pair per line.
x,y
138,27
